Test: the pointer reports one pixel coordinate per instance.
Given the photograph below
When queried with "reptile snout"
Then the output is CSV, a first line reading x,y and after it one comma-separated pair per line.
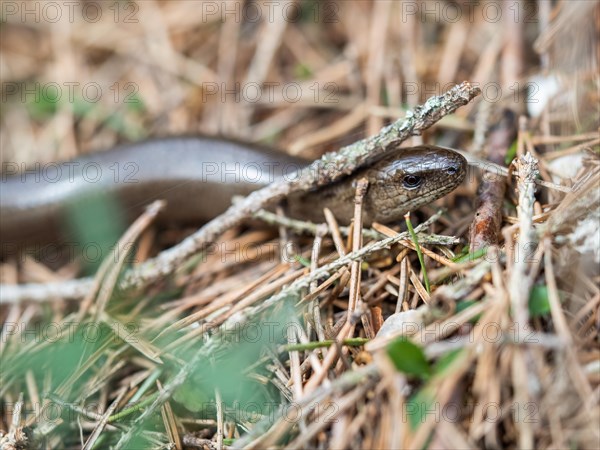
x,y
456,166
452,169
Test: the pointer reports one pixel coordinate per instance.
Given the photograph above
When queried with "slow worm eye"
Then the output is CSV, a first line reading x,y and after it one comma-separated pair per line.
x,y
412,181
451,170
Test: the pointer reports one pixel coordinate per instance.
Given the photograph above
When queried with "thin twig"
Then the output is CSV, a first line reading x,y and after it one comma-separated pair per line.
x,y
520,282
324,171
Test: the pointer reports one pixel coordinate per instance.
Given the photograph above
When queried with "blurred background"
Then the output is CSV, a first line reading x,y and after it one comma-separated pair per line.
x,y
303,76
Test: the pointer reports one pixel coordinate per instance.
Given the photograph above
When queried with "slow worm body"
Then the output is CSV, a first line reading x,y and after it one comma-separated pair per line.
x,y
198,176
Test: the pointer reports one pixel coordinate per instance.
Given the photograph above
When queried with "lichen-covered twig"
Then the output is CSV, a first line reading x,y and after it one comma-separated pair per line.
x,y
321,172
329,168
520,283
301,226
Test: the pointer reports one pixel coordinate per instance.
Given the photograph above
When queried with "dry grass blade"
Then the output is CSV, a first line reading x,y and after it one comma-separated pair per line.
x,y
259,329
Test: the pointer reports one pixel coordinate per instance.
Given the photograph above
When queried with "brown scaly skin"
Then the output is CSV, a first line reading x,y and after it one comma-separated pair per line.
x,y
198,176
405,179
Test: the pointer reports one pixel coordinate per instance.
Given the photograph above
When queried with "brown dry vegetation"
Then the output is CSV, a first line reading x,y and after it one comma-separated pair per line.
x,y
498,308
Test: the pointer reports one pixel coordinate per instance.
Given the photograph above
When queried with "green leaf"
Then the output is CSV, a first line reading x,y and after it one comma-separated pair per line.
x,y
447,360
418,406
95,236
303,71
45,104
193,396
231,367
135,104
409,358
83,108
538,301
